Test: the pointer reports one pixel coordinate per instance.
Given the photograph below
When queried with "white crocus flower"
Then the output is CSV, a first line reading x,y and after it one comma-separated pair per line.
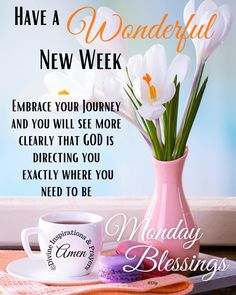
x,y
153,82
112,20
110,83
74,84
77,85
218,32
111,86
204,47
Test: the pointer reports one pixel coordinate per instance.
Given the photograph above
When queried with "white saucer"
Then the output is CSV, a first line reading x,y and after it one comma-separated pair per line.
x,y
36,270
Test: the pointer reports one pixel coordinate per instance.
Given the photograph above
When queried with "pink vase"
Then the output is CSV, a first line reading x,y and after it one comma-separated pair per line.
x,y
169,211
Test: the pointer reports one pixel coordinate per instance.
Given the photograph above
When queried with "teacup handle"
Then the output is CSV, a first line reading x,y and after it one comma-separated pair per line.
x,y
25,242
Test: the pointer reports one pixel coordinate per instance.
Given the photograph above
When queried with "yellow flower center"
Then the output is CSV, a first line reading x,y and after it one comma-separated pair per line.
x,y
63,92
152,89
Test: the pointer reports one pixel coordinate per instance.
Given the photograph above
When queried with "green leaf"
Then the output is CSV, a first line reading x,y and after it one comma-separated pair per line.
x,y
193,93
127,73
170,123
132,91
131,99
180,146
165,123
175,107
157,145
149,126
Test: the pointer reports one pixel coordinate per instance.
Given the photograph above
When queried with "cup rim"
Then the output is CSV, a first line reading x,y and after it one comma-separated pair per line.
x,y
52,217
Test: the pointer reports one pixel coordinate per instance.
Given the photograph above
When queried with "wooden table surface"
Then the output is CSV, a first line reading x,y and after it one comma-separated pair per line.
x,y
7,256
228,252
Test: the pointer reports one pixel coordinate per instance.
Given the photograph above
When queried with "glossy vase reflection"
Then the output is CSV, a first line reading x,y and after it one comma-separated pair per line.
x,y
168,209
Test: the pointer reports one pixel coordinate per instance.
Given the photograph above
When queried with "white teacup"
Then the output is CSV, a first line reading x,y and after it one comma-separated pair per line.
x,y
69,242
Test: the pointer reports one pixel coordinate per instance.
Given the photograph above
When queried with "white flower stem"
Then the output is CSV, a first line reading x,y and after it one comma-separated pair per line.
x,y
158,128
136,124
196,78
